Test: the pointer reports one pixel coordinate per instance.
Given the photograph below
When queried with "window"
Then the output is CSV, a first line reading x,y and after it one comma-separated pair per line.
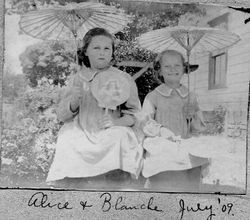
x,y
217,71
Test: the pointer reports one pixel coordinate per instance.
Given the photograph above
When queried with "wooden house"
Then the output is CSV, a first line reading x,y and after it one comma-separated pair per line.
x,y
223,75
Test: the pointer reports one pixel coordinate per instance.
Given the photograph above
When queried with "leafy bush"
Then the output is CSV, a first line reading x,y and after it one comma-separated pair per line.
x,y
216,122
220,113
13,86
51,61
28,145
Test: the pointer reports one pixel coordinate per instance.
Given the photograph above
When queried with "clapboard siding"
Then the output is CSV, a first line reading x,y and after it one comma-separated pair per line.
x,y
240,67
241,58
240,47
235,82
224,97
240,75
225,94
232,54
235,95
240,78
237,87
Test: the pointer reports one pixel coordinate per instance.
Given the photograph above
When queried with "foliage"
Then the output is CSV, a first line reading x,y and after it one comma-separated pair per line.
x,y
147,7
52,61
13,86
28,144
191,19
216,123
38,100
22,6
219,119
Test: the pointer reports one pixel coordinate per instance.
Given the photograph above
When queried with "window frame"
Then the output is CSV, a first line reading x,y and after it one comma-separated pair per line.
x,y
212,72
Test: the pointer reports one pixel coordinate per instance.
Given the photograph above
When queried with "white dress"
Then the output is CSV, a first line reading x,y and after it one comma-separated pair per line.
x,y
84,150
165,107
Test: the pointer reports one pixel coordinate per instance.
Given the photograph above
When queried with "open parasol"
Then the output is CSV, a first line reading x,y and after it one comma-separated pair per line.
x,y
187,39
72,21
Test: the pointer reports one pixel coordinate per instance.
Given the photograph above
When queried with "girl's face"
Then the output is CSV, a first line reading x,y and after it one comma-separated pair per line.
x,y
99,52
172,68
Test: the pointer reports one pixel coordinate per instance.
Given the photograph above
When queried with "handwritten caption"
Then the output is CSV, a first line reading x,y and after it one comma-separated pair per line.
x,y
109,203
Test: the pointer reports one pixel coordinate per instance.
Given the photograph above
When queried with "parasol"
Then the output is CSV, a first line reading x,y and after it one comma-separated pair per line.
x,y
72,21
187,39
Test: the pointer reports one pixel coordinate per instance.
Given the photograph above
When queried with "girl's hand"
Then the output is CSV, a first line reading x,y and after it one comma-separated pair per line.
x,y
151,128
106,122
166,133
76,97
175,139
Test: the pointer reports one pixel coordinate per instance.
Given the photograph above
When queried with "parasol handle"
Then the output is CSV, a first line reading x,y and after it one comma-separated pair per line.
x,y
189,119
76,47
188,73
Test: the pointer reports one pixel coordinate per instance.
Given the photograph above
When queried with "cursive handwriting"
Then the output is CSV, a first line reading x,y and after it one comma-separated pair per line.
x,y
184,208
41,200
107,202
85,205
119,204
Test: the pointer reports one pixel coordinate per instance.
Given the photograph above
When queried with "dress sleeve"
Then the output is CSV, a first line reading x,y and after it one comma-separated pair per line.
x,y
149,126
132,105
149,105
64,112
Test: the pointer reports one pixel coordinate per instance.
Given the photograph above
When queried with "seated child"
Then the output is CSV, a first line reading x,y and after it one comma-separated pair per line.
x,y
94,142
168,109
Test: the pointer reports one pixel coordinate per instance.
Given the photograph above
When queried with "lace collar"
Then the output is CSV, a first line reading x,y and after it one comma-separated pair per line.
x,y
164,90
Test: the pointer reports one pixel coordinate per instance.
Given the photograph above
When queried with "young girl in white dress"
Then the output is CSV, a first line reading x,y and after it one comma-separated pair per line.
x,y
93,145
167,164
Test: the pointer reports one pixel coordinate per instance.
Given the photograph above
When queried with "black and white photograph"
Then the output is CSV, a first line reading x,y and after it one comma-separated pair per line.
x,y
122,95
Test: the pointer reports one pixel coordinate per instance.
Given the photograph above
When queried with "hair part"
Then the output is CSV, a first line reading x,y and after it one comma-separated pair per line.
x,y
82,58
